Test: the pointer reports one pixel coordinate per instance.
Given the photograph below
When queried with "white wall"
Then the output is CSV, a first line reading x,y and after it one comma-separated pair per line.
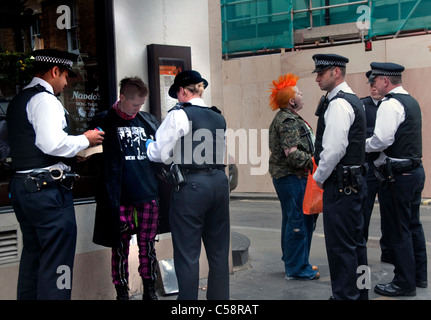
x,y
139,23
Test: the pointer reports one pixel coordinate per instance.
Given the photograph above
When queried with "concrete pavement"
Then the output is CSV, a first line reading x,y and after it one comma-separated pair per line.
x,y
262,276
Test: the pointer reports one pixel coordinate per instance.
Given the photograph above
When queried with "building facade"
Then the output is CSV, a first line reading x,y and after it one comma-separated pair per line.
x,y
112,39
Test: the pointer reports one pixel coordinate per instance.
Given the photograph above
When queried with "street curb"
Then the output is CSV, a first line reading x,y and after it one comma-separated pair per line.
x,y
253,196
273,196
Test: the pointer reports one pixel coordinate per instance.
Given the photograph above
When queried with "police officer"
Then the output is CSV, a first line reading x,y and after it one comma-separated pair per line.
x,y
398,138
41,195
191,137
340,152
371,104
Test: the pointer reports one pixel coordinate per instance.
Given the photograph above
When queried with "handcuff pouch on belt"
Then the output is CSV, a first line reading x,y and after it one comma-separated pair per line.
x,y
38,179
349,178
175,176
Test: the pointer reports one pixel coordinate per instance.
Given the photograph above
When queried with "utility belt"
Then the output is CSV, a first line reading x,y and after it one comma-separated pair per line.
x,y
385,173
349,178
177,173
37,179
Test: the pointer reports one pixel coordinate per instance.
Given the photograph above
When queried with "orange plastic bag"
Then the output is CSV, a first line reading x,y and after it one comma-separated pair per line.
x,y
313,202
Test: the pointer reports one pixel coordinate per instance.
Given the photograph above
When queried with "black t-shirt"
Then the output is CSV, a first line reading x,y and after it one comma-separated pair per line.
x,y
139,182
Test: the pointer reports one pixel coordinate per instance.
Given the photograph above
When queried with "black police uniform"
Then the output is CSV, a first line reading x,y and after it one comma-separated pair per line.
x,y
45,212
344,195
41,196
372,182
400,196
200,209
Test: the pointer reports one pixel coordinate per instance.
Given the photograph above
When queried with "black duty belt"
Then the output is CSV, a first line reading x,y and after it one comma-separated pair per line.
x,y
187,170
37,179
348,177
405,165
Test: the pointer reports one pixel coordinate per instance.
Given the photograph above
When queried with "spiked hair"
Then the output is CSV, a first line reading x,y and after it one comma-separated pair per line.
x,y
282,91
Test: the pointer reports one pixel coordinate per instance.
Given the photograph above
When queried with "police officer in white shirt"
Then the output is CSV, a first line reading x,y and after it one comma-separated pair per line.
x,y
340,155
192,137
398,138
40,189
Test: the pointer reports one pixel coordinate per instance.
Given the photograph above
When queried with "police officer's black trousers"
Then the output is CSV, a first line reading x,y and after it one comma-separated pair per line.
x,y
200,211
408,247
48,226
373,187
345,243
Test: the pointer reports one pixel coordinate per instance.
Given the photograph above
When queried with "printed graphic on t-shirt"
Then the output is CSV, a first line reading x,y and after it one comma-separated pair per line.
x,y
133,141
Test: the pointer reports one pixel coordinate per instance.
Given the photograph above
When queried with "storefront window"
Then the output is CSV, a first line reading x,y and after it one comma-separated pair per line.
x,y
70,25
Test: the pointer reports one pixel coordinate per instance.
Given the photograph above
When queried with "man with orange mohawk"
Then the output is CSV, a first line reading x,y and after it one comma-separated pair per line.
x,y
291,142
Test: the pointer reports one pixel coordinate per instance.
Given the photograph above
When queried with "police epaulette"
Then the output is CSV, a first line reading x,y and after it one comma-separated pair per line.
x,y
40,88
341,94
215,109
180,105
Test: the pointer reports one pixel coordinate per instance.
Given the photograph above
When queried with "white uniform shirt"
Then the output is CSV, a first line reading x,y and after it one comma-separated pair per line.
x,y
46,113
174,126
339,117
389,117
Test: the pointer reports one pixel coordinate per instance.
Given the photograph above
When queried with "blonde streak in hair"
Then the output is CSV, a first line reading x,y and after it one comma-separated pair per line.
x,y
196,88
200,88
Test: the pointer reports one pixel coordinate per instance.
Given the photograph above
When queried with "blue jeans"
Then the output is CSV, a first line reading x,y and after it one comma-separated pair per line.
x,y
296,227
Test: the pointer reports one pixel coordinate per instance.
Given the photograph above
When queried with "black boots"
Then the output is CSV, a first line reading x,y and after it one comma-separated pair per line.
x,y
122,292
149,290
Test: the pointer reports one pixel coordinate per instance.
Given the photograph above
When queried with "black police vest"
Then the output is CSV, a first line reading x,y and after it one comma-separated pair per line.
x,y
203,146
408,138
355,152
22,138
371,114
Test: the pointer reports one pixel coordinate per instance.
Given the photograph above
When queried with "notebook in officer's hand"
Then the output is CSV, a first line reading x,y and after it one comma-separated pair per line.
x,y
90,151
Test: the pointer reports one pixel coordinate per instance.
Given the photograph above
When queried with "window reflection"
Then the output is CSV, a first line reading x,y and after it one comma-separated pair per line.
x,y
70,25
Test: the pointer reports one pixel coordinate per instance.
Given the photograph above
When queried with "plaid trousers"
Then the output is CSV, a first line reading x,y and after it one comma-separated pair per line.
x,y
141,219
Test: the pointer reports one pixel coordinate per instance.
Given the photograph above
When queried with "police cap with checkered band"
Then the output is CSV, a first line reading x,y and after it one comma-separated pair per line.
x,y
386,69
325,61
54,57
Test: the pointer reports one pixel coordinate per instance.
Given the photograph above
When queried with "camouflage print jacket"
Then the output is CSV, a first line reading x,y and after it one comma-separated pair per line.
x,y
289,130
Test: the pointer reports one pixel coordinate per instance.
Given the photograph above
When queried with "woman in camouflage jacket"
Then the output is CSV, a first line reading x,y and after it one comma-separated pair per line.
x,y
291,142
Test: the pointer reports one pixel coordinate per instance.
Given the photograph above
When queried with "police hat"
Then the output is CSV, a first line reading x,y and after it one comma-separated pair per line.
x,y
54,57
386,69
185,78
325,61
370,76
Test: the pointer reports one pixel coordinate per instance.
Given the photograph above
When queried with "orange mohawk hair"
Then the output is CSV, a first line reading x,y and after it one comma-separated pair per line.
x,y
282,91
